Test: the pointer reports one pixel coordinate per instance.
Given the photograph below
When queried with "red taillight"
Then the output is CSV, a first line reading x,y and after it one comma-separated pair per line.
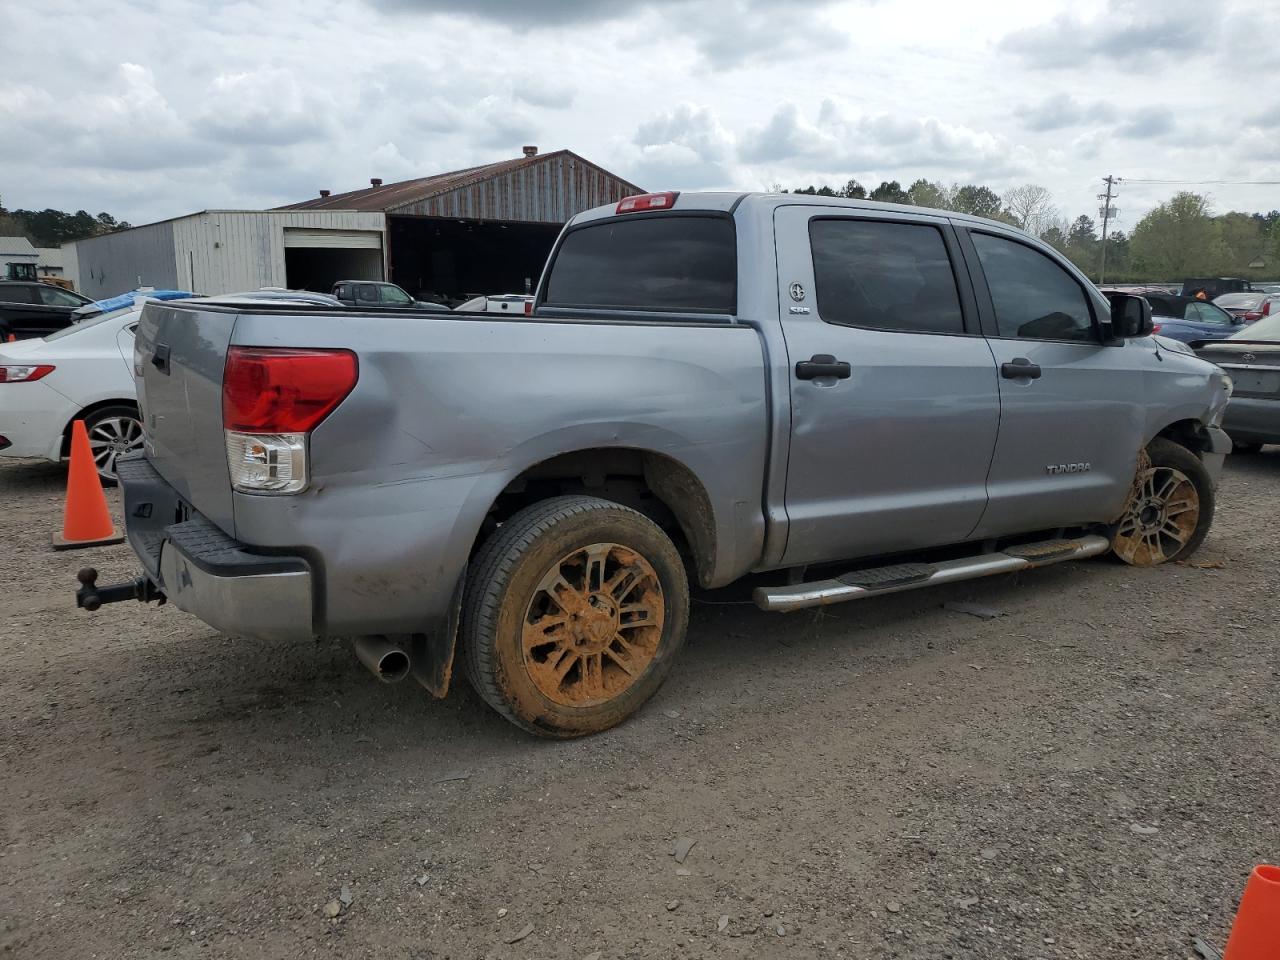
x,y
1253,315
1266,308
24,372
1155,328
284,390
648,201
528,308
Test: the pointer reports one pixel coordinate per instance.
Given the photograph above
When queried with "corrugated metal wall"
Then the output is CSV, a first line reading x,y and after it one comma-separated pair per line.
x,y
118,262
550,192
233,250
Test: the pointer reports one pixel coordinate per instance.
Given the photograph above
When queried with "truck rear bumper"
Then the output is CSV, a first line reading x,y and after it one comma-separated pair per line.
x,y
208,574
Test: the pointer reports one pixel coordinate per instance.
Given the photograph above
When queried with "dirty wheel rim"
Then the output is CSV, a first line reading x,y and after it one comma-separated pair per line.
x,y
1161,517
110,438
593,625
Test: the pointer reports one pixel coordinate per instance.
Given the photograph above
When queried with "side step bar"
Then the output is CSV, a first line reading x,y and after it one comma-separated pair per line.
x,y
911,576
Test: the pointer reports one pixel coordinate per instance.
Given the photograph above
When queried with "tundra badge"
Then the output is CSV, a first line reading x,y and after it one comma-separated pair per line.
x,y
1068,468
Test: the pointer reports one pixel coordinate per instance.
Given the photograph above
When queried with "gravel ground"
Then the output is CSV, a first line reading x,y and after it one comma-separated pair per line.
x,y
1091,774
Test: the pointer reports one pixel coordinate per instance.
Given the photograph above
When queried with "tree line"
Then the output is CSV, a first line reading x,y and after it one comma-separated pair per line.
x,y
1180,238
53,228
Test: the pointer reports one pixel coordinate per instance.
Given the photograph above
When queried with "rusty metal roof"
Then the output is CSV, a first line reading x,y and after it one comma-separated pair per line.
x,y
393,196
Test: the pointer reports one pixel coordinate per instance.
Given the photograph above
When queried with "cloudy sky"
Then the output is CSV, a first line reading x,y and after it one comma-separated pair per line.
x,y
154,108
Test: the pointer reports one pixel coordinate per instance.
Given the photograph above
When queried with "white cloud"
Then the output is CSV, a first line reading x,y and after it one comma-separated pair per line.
x,y
245,104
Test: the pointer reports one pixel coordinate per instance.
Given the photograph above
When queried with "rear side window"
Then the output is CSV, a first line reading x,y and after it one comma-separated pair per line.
x,y
366,292
1034,298
670,264
890,276
17,293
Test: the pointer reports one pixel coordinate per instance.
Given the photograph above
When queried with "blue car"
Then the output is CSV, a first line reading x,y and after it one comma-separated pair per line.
x,y
1187,319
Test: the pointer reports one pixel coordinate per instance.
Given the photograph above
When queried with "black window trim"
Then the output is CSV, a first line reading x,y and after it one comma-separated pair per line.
x,y
965,294
562,311
986,306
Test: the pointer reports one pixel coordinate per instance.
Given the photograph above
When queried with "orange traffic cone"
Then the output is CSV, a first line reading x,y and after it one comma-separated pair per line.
x,y
86,522
1256,933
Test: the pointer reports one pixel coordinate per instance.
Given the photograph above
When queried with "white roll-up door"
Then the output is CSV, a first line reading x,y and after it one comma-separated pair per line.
x,y
333,239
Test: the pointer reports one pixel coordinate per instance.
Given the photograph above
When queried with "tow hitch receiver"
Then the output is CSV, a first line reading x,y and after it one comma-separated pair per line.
x,y
90,596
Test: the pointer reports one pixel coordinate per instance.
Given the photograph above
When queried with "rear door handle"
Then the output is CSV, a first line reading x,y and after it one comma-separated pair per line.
x,y
160,358
1019,368
823,365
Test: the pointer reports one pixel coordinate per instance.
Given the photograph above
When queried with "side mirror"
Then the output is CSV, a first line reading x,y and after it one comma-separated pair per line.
x,y
1130,316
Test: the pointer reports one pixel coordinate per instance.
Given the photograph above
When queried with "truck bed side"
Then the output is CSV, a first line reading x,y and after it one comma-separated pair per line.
x,y
449,411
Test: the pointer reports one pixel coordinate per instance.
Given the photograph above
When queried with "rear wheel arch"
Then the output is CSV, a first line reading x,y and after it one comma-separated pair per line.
x,y
654,484
657,486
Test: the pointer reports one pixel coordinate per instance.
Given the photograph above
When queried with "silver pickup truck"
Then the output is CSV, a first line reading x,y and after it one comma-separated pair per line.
x,y
843,397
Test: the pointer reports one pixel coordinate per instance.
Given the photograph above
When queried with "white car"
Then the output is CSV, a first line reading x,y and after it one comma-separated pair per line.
x,y
84,371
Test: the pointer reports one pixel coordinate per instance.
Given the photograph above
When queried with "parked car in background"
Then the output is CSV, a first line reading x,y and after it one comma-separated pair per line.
x,y
377,293
85,371
1212,287
1251,357
517,303
29,308
111,304
1249,307
1185,318
710,385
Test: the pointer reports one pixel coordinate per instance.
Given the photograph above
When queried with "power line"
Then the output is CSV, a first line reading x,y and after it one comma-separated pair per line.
x,y
1205,183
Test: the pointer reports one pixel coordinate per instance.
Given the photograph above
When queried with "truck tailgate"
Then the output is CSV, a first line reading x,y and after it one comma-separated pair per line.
x,y
182,351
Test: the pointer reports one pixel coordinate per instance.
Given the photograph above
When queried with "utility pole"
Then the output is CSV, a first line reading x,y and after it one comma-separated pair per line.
x,y
1106,213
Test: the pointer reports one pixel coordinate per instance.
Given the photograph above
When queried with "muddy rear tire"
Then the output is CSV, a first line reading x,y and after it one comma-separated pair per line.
x,y
573,615
1170,509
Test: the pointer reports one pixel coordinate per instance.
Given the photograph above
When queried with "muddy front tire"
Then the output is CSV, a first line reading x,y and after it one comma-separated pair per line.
x,y
573,615
1170,509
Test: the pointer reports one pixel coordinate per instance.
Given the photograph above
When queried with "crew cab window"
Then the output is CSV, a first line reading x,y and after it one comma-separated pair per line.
x,y
890,276
668,264
1034,298
366,292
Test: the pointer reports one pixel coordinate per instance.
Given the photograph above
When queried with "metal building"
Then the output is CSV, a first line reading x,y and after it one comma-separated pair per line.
x,y
227,251
482,230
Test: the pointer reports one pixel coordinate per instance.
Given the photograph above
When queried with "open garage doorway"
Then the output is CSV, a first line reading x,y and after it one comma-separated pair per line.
x,y
450,261
317,259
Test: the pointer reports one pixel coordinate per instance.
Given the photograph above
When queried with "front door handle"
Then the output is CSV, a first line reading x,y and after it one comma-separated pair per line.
x,y
823,365
1019,368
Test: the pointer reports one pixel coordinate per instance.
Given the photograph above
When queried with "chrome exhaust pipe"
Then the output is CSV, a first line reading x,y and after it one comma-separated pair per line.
x,y
386,661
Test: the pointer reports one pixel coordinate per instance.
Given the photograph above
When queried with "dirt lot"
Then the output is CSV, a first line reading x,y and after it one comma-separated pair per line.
x,y
1092,774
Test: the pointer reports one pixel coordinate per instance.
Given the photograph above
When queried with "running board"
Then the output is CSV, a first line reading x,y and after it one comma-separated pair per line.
x,y
911,576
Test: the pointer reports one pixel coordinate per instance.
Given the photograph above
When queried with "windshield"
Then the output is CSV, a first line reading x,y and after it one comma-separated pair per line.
x,y
1238,300
91,322
1268,328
